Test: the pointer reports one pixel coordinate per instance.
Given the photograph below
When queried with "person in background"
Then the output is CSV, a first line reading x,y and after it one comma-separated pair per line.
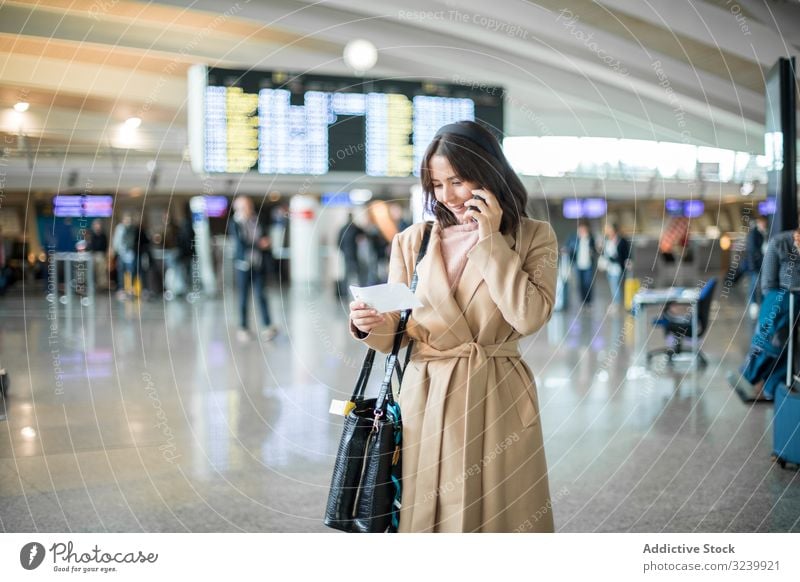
x,y
137,239
124,255
396,212
755,250
583,255
3,278
616,250
279,237
349,237
132,247
377,256
765,363
98,246
252,244
169,232
164,245
185,253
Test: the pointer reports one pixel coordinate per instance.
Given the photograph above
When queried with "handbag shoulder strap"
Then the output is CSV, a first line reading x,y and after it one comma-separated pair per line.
x,y
385,394
366,367
422,250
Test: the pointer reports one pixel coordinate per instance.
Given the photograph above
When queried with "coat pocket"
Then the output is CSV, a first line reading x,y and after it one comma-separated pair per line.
x,y
521,391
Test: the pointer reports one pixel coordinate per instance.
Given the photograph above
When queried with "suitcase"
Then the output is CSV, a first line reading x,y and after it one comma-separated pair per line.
x,y
154,282
3,394
562,295
786,415
632,287
786,426
175,284
562,284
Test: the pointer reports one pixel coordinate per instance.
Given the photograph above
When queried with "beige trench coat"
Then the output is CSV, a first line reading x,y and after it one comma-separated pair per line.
x,y
472,455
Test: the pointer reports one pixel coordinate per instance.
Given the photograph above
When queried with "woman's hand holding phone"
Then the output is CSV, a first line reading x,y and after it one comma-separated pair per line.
x,y
484,208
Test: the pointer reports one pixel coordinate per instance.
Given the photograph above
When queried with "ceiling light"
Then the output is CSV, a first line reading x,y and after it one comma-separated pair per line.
x,y
21,107
133,122
360,55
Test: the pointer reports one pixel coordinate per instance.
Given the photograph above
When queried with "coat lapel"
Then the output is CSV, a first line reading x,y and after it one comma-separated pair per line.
x,y
441,306
471,279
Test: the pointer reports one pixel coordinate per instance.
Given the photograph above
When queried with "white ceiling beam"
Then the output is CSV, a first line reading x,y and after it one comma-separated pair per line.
x,y
729,30
199,45
80,78
573,79
783,17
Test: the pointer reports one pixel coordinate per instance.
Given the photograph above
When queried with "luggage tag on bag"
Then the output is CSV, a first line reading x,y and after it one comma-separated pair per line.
x,y
341,407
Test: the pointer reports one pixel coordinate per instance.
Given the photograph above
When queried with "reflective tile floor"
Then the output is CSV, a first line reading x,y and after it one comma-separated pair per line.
x,y
153,417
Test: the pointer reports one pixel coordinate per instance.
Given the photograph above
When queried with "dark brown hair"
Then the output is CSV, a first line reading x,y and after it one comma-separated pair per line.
x,y
472,163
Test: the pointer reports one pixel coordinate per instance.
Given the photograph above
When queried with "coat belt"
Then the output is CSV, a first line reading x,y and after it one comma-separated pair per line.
x,y
426,491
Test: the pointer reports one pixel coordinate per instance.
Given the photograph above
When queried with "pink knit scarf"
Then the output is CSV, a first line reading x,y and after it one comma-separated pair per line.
x,y
456,241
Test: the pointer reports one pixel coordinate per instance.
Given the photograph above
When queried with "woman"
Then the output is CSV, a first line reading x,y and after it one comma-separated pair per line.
x,y
473,457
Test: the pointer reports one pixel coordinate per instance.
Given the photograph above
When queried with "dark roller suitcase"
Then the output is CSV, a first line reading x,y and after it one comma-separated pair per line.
x,y
786,426
4,382
3,392
786,418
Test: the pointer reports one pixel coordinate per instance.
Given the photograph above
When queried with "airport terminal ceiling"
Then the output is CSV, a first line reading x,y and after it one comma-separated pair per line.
x,y
568,68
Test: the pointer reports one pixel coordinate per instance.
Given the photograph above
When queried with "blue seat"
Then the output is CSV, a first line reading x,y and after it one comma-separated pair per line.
x,y
678,327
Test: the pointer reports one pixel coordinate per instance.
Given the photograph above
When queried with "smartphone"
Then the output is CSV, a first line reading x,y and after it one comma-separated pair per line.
x,y
476,197
475,208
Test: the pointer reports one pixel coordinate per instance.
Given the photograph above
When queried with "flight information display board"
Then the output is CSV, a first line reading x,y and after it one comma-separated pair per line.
x,y
82,206
276,123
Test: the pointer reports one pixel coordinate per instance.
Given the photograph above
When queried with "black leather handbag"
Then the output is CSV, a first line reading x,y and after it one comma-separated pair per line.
x,y
366,485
